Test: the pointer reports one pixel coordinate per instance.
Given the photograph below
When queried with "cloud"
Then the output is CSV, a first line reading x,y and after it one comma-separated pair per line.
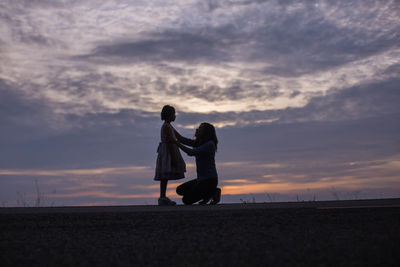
x,y
368,100
365,113
233,56
293,42
21,28
35,136
305,40
362,101
168,46
34,4
22,115
343,141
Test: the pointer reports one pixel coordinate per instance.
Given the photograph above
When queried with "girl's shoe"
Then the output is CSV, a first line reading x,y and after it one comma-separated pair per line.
x,y
164,201
217,197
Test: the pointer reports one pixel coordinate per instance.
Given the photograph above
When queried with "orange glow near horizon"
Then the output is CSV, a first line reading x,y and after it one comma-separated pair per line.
x,y
101,194
116,170
103,185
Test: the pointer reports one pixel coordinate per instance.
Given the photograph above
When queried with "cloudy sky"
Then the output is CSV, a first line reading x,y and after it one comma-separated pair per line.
x,y
305,96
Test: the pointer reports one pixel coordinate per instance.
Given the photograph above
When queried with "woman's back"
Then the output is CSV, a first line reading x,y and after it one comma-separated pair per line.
x,y
205,160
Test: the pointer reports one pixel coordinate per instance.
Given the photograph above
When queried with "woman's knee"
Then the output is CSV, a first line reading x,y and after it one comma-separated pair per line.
x,y
180,190
185,187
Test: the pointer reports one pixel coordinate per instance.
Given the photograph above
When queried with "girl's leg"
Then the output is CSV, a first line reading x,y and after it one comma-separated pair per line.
x,y
163,187
163,200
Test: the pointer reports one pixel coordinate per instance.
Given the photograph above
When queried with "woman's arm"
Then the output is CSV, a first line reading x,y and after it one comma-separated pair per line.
x,y
203,149
184,140
184,148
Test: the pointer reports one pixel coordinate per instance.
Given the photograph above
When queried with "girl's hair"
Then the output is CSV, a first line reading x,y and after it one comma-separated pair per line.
x,y
209,133
166,112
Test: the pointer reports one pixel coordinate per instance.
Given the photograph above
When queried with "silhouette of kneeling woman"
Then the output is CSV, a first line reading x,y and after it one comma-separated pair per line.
x,y
204,146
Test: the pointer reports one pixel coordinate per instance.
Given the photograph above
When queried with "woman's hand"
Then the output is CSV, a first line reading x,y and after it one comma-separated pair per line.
x,y
176,132
183,148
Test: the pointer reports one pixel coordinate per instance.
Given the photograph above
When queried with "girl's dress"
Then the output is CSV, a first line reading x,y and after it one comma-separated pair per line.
x,y
170,164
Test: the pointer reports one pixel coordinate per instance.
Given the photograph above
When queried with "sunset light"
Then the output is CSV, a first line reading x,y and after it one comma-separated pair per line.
x,y
304,96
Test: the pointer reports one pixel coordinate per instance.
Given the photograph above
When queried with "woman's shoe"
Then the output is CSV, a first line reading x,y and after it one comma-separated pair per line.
x,y
217,197
204,201
164,201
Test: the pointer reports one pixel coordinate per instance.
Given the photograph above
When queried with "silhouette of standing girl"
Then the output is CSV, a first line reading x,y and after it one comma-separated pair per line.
x,y
170,164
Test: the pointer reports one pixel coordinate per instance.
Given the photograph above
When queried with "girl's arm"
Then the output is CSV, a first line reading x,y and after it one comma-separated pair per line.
x,y
169,134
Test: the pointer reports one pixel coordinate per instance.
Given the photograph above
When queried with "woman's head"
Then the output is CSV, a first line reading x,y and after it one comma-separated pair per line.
x,y
206,132
168,113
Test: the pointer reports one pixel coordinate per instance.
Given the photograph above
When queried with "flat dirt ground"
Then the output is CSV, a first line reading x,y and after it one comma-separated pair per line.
x,y
330,233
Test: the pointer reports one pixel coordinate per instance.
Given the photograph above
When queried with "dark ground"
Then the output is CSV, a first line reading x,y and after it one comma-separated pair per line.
x,y
333,233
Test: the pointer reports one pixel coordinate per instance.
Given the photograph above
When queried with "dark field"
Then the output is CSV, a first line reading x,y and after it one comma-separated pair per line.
x,y
332,233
